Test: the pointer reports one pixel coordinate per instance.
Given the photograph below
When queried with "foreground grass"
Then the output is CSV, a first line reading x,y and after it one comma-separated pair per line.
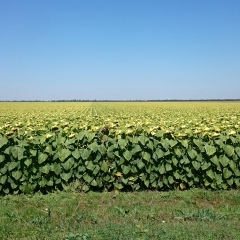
x,y
194,214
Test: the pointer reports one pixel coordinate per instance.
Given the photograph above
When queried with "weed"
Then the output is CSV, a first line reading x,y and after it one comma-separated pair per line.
x,y
40,220
77,236
201,215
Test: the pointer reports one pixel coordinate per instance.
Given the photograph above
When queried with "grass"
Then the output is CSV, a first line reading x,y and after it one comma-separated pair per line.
x,y
193,214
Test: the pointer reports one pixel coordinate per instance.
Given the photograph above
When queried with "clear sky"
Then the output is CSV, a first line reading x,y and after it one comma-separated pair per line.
x,y
119,49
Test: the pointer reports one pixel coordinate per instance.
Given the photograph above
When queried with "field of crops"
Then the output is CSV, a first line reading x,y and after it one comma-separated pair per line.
x,y
123,145
178,119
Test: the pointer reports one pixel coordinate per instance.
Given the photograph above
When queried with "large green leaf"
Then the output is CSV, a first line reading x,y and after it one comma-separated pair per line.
x,y
134,169
210,173
153,177
165,143
8,150
150,145
96,170
120,161
125,169
118,186
122,143
2,158
56,167
65,186
3,179
66,176
50,183
76,154
21,151
90,136
17,152
185,143
140,164
230,182
136,149
68,164
127,155
135,186
178,152
173,143
185,160
206,182
124,180
237,149
159,133
143,176
224,160
93,146
174,161
215,160
168,167
237,172
192,153
42,139
146,156
45,169
196,165
104,166
80,135
218,178
89,165
206,165
166,183
143,140
199,157
237,182
33,152
88,178
81,169
106,177
64,154
43,182
12,165
224,186
232,165
13,184
229,150
227,173
162,169
170,180
146,183
69,141
102,149
176,175
48,149
86,154
210,150
159,153
42,157
6,190
28,162
99,182
12,150
93,183
85,188
3,141
198,142
58,180
16,174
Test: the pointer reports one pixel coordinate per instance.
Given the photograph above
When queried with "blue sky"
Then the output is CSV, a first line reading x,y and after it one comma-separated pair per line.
x,y
125,49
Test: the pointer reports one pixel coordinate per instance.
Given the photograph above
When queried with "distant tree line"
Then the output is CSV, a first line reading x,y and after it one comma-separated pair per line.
x,y
159,100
